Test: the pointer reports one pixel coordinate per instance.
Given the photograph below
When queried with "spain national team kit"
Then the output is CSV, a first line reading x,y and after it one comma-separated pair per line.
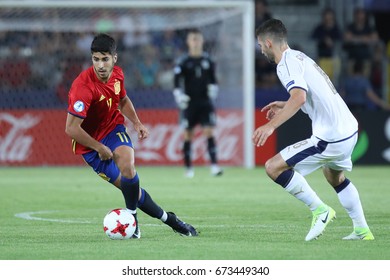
x,y
97,103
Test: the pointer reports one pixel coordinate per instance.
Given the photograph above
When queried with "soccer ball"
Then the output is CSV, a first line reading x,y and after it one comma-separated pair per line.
x,y
119,224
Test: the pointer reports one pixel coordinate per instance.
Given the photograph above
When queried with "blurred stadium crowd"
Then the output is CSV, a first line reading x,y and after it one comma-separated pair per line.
x,y
353,55
147,59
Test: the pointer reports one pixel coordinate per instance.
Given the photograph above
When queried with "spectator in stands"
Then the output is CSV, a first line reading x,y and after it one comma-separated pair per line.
x,y
358,93
147,68
327,34
133,36
168,44
165,76
71,63
359,39
136,39
83,41
262,12
15,70
377,69
105,21
264,71
44,45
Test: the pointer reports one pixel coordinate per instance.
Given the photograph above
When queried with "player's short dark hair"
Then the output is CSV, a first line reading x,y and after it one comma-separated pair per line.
x,y
273,28
103,43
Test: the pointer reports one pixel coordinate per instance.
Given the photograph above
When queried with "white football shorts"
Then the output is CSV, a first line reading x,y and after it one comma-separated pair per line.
x,y
308,155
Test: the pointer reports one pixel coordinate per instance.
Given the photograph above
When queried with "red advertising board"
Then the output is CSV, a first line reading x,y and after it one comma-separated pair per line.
x,y
262,154
37,137
164,145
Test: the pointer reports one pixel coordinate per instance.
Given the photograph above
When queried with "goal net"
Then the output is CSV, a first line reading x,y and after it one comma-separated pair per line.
x,y
46,44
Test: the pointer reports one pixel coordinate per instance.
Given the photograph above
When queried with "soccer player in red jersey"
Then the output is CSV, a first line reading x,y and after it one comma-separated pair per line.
x,y
97,108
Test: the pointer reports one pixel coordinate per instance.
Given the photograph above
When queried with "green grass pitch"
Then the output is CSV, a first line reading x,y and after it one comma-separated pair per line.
x,y
242,215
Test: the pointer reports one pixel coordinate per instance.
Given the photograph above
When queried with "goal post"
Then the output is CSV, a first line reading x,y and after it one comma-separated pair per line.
x,y
228,27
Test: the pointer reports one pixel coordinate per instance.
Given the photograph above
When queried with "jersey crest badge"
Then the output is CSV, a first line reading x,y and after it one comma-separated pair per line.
x,y
117,87
177,70
300,56
205,64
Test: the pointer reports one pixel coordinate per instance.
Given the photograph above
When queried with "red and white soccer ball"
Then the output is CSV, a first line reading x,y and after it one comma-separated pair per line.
x,y
119,224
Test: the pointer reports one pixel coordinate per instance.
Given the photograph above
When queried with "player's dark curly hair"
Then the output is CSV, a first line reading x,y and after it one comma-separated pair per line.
x,y
273,28
103,43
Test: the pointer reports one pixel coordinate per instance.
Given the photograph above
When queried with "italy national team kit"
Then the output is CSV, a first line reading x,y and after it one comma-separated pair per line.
x,y
333,143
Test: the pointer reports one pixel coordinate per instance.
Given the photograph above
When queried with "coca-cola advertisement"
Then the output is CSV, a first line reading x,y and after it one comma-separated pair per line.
x,y
37,137
164,144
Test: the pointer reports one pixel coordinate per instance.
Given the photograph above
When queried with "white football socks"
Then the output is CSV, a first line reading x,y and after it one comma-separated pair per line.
x,y
299,188
350,200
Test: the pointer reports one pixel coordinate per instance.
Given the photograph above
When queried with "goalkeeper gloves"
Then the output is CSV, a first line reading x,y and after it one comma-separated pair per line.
x,y
181,99
212,91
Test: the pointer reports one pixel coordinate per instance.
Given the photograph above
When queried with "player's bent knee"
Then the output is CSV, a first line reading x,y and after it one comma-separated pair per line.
x,y
335,181
270,168
129,172
274,168
334,177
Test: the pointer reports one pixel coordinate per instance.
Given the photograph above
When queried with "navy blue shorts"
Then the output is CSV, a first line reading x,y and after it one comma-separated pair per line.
x,y
107,169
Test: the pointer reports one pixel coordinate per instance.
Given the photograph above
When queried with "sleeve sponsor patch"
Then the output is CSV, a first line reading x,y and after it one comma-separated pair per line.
x,y
78,106
290,83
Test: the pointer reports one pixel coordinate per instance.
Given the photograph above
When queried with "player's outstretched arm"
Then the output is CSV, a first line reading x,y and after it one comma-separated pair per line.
x,y
290,108
273,108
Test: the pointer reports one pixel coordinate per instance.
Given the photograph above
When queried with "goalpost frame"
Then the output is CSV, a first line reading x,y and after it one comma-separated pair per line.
x,y
248,18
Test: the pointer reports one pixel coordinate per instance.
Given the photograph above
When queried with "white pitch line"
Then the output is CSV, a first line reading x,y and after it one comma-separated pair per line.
x,y
29,216
32,216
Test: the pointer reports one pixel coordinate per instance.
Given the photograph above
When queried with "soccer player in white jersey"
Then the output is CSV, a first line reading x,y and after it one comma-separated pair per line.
x,y
334,131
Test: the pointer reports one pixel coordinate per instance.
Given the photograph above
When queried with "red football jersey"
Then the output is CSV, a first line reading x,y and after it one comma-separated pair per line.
x,y
97,103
